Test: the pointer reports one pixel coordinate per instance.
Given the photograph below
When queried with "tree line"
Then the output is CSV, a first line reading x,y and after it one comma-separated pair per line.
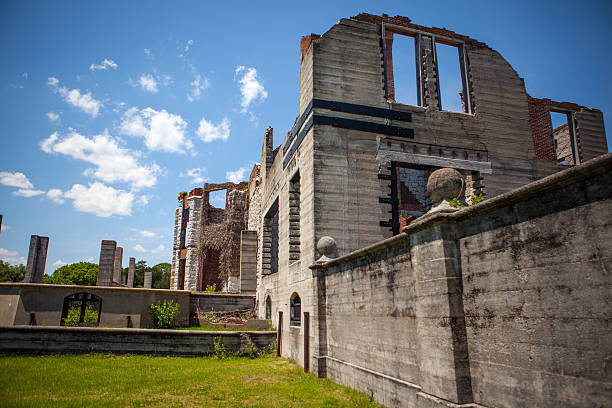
x,y
86,274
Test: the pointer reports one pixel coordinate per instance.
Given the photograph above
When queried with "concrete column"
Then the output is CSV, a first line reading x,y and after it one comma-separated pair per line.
x,y
443,352
192,270
37,258
148,280
118,266
106,265
429,71
131,270
176,246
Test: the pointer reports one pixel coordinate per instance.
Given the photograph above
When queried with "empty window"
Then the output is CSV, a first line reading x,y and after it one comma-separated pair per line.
x,y
268,308
449,76
295,310
270,241
401,72
562,137
217,198
81,309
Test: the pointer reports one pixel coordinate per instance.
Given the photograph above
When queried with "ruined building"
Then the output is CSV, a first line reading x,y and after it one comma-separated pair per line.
x,y
352,173
206,248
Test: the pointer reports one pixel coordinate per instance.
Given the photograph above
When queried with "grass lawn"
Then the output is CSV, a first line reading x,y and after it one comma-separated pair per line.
x,y
102,380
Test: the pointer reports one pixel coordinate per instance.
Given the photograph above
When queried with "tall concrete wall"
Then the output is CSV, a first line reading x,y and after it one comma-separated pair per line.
x,y
106,266
504,304
37,259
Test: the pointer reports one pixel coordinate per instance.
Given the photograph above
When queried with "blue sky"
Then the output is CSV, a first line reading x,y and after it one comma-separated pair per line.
x,y
110,109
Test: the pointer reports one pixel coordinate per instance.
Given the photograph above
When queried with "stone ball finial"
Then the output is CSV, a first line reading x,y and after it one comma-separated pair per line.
x,y
327,247
444,184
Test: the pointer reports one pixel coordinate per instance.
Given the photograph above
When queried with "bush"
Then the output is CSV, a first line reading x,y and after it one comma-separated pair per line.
x,y
163,314
211,288
74,317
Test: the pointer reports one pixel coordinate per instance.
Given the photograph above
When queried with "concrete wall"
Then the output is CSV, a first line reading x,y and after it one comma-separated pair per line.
x,y
77,340
248,262
19,300
205,302
505,304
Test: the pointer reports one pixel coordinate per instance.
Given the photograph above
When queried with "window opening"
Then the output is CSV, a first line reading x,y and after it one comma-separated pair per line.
x,y
450,83
217,198
81,309
402,69
294,218
562,137
295,310
268,308
270,241
412,192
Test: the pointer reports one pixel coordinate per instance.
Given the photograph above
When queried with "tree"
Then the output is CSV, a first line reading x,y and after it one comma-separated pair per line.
x,y
160,275
11,273
82,273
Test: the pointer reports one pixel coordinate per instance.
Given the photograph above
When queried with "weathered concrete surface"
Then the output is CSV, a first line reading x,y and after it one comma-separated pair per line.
x,y
248,262
106,266
201,303
131,270
77,340
504,304
118,265
148,280
37,259
19,300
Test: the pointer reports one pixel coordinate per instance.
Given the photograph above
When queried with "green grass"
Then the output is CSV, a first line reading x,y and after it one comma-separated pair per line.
x,y
107,381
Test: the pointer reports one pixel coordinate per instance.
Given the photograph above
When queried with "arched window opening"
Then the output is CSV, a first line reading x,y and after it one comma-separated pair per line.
x,y
81,309
295,311
268,308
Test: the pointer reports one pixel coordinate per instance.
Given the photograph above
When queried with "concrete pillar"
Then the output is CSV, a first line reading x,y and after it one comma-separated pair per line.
x,y
429,69
118,266
106,265
248,262
192,269
37,258
443,352
131,270
148,280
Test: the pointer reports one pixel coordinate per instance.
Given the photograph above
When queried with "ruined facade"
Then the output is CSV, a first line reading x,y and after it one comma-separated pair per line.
x,y
206,248
354,167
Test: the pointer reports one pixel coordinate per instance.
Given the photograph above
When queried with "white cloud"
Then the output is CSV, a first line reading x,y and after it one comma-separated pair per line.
x,y
148,83
250,86
6,228
159,248
104,65
113,163
236,176
100,199
15,180
147,234
74,97
196,175
28,193
6,252
25,75
160,129
209,132
147,52
59,263
143,200
189,44
139,248
89,259
53,117
198,85
55,195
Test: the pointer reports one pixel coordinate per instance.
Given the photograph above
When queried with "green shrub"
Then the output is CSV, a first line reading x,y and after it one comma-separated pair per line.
x,y
163,314
220,351
73,318
211,288
472,200
91,315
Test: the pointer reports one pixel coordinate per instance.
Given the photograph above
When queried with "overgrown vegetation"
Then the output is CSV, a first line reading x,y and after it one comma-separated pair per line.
x,y
472,200
163,314
74,317
160,274
96,380
181,194
211,288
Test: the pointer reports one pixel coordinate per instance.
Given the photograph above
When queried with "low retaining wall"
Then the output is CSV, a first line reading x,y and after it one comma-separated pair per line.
x,y
79,340
205,302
